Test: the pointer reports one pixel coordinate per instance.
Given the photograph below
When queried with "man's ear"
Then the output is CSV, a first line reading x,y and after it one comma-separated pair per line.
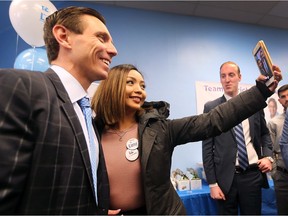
x,y
240,76
61,34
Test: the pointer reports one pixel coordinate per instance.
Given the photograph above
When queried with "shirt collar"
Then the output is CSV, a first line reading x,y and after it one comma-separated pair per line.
x,y
227,96
72,86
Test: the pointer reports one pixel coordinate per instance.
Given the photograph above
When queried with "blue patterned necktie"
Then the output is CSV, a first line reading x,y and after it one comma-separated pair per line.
x,y
94,151
242,151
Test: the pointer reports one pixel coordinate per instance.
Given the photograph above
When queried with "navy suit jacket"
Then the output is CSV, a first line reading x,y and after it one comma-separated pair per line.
x,y
284,141
45,165
219,153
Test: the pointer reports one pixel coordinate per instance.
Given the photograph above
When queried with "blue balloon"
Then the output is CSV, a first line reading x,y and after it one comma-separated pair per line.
x,y
34,59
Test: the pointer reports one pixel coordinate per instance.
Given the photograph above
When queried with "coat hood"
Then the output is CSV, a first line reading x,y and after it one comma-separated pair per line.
x,y
156,109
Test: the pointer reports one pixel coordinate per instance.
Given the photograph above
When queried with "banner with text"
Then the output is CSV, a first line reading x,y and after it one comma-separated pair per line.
x,y
208,91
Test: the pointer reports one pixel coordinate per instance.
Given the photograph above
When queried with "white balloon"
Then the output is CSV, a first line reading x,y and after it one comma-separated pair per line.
x,y
28,17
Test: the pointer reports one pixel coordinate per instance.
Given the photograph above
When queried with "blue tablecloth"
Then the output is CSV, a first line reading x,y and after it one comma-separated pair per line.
x,y
268,200
199,202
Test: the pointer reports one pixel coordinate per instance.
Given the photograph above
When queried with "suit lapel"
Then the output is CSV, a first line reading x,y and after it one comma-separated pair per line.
x,y
72,117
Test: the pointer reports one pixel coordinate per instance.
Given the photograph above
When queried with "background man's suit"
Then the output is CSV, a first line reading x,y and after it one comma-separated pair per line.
x,y
45,155
284,141
219,158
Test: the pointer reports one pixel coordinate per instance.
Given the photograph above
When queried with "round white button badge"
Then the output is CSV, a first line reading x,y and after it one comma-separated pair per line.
x,y
132,154
132,143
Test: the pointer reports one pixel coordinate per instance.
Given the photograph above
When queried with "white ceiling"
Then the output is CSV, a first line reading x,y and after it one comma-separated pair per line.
x,y
265,13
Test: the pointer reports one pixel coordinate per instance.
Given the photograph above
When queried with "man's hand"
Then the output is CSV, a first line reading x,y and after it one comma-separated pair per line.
x,y
264,165
216,193
277,78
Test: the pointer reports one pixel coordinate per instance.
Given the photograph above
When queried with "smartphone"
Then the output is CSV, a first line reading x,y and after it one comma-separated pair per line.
x,y
263,61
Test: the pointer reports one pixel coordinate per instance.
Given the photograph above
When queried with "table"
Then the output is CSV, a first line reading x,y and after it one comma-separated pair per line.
x,y
199,202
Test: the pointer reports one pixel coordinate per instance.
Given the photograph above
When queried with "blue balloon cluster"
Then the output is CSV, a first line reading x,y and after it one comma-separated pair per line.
x,y
34,59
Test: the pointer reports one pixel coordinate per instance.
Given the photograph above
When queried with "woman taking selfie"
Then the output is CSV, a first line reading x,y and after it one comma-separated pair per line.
x,y
138,140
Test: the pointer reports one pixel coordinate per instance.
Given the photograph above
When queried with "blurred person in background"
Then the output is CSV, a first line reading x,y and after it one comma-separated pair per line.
x,y
279,173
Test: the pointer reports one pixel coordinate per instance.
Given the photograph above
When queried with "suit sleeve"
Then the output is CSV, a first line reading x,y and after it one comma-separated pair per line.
x,y
284,141
208,155
16,140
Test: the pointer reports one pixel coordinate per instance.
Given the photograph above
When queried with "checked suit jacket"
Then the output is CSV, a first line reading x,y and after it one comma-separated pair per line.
x,y
44,159
219,153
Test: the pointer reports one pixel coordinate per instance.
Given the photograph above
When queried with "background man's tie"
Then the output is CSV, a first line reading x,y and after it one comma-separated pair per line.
x,y
86,109
242,151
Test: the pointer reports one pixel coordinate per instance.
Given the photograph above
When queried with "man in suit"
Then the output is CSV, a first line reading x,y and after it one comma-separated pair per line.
x,y
232,186
279,171
45,165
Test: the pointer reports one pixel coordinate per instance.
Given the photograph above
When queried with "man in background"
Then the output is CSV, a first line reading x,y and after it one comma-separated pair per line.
x,y
279,171
232,184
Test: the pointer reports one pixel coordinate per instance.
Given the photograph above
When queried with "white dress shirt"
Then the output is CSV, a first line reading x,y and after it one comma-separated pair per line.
x,y
252,154
76,92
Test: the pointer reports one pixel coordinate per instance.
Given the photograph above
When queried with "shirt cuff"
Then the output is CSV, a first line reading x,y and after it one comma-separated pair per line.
x,y
213,185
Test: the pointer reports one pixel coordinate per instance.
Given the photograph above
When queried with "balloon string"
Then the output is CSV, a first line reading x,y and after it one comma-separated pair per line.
x,y
17,41
33,57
